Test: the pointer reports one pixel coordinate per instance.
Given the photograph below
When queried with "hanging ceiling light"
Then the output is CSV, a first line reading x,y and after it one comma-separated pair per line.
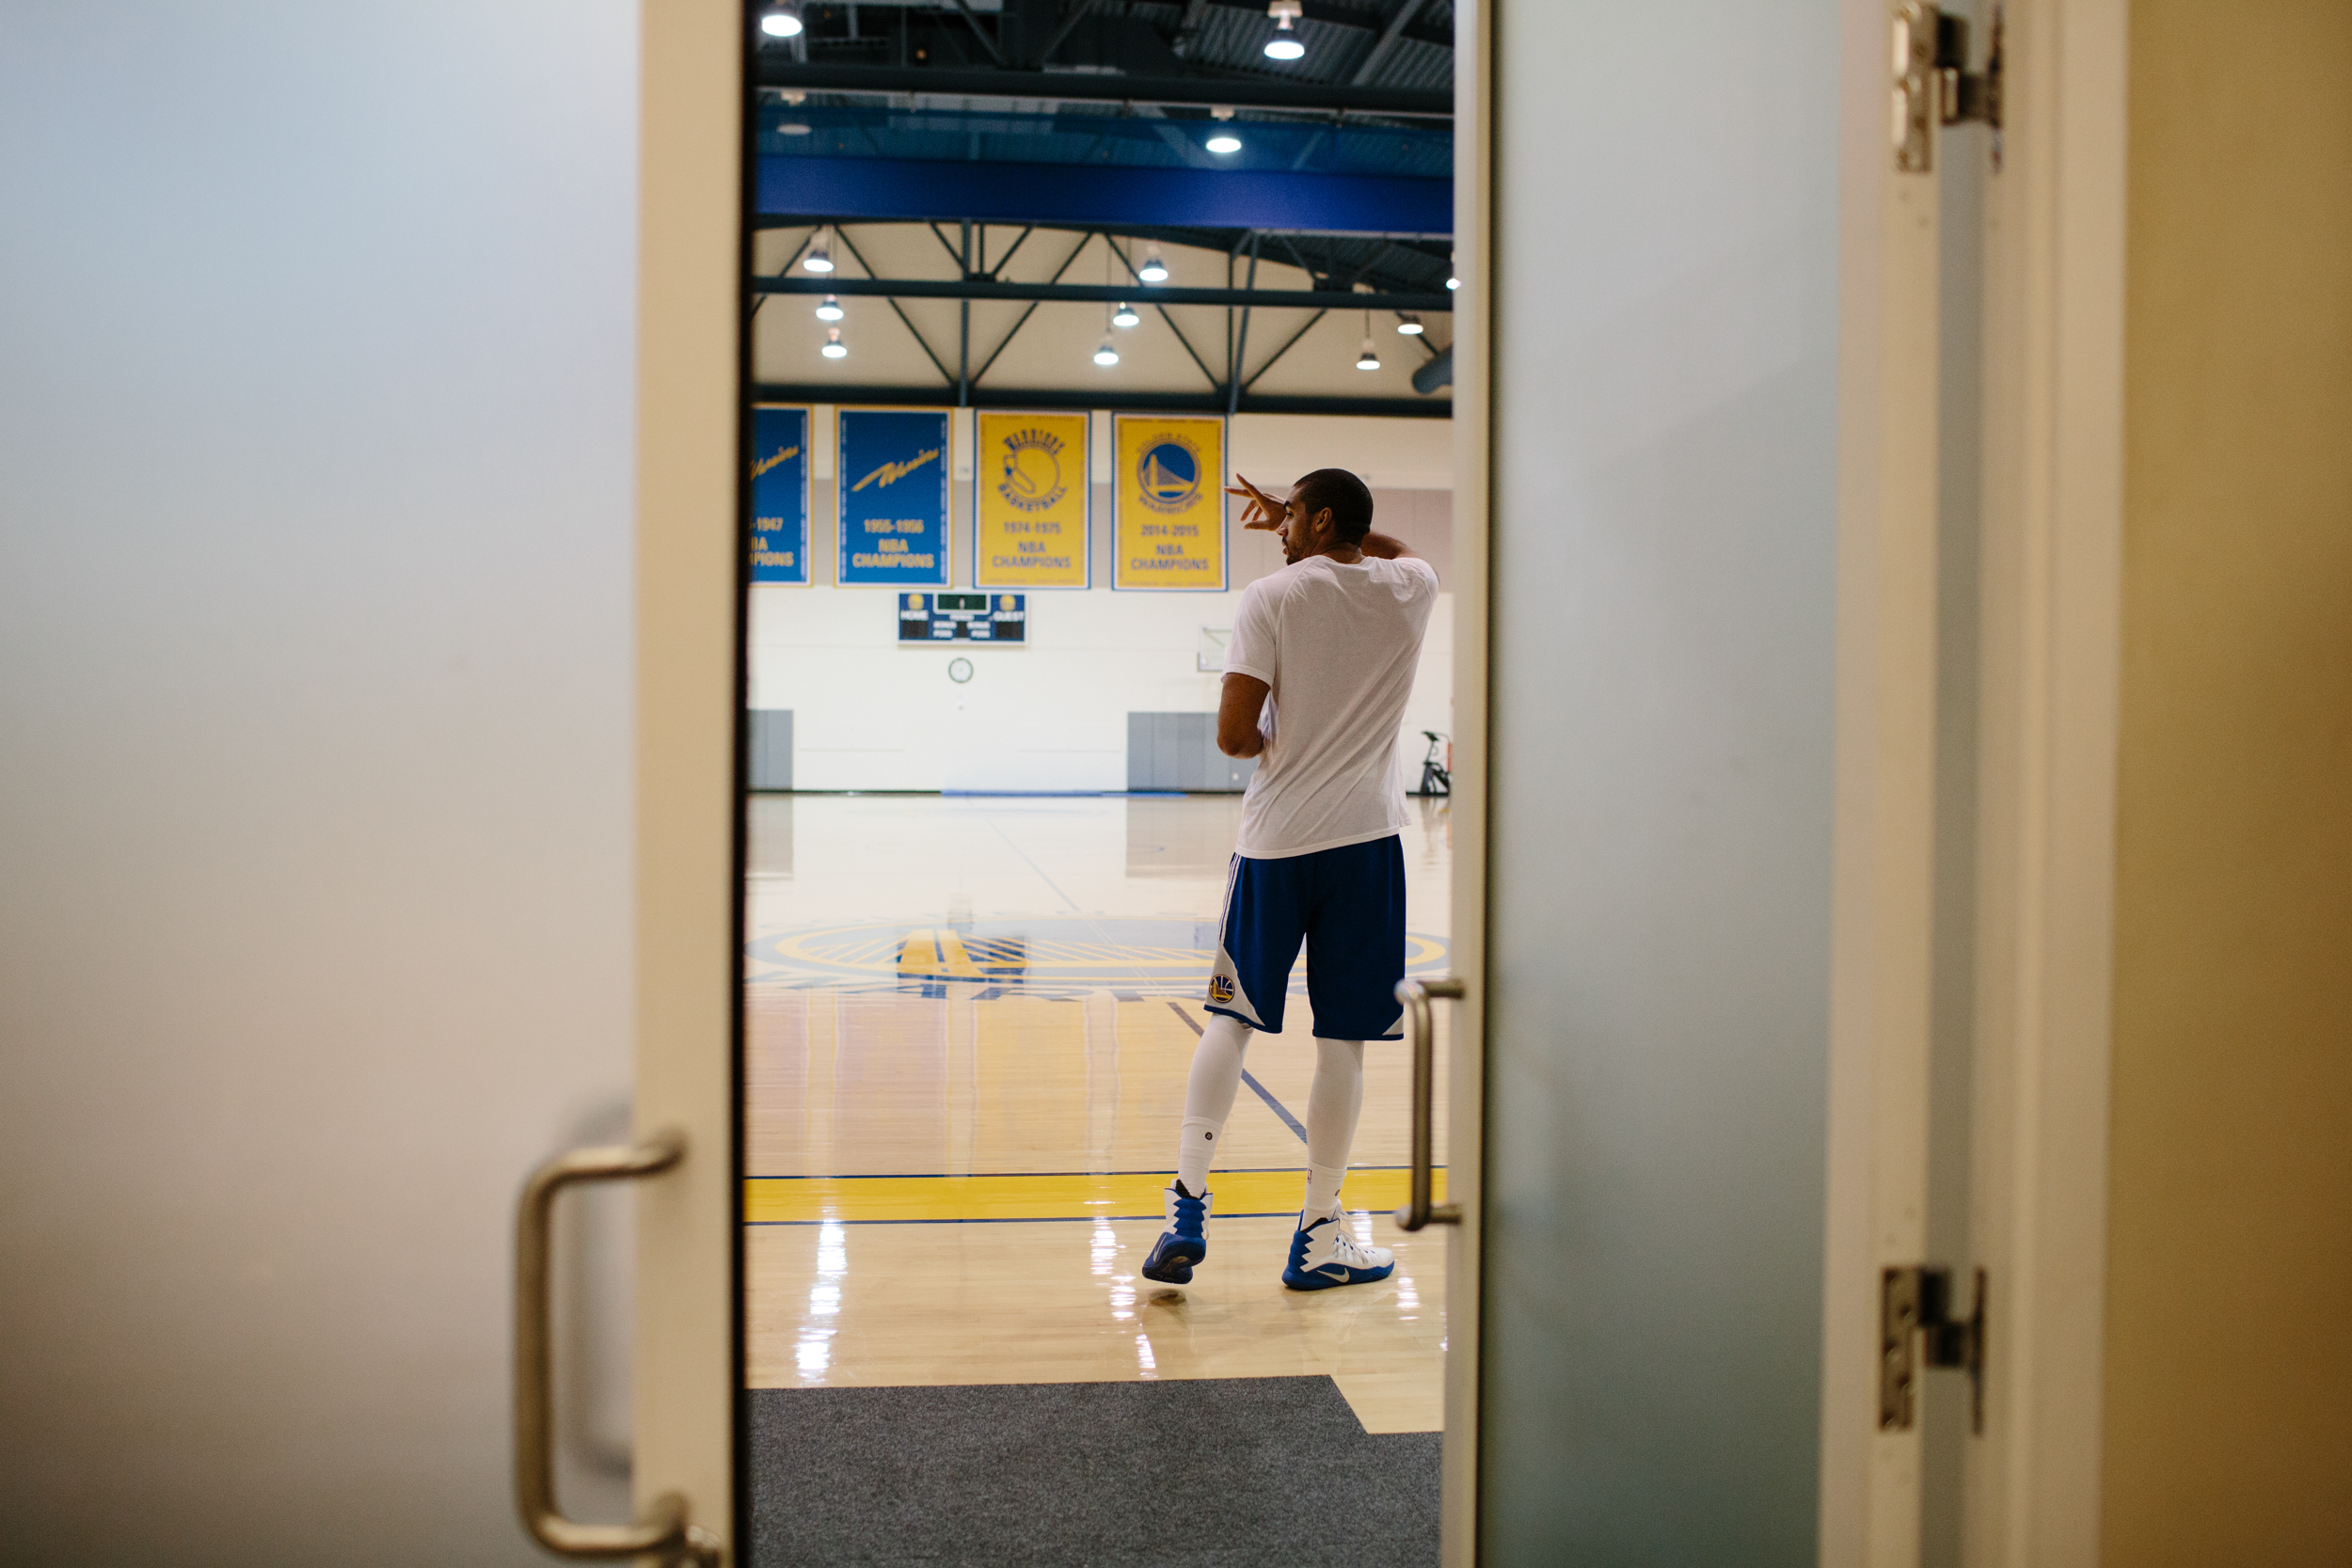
x,y
1223,144
1154,270
819,257
1123,315
830,310
1408,324
1285,44
1451,282
781,21
834,348
1367,358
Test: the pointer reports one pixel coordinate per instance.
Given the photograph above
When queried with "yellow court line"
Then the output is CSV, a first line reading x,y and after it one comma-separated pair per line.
x,y
871,1199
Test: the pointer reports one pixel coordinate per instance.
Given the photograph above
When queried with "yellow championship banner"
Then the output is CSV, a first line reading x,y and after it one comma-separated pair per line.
x,y
1168,528
1031,501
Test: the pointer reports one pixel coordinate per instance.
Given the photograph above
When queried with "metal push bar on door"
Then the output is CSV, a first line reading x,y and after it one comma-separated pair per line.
x,y
664,1534
1415,995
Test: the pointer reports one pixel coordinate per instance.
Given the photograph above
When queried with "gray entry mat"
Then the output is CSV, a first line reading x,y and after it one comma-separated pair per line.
x,y
1218,1473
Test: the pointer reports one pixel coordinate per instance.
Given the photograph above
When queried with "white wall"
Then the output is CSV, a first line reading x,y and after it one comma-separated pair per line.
x,y
1052,715
315,669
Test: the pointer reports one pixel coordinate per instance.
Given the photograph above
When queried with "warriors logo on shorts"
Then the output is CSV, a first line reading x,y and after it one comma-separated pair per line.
x,y
1220,987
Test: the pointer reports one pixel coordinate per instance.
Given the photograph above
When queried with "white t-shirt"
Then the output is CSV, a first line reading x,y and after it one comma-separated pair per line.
x,y
1337,644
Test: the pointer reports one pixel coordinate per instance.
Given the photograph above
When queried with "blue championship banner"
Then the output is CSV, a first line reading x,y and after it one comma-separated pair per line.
x,y
780,495
893,485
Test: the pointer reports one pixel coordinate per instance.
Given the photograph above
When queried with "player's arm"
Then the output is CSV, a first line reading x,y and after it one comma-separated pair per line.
x,y
1386,546
1237,711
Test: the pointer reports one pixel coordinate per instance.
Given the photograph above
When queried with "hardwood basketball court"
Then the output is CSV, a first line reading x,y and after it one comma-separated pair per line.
x,y
969,1022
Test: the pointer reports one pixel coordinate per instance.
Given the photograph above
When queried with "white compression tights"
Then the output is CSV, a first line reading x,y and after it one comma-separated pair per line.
x,y
1332,1107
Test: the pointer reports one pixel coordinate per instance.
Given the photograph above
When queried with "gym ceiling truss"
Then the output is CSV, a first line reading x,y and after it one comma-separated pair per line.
x,y
1227,394
1368,61
1135,49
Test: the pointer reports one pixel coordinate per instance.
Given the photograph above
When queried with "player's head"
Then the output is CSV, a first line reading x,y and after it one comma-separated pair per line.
x,y
1329,507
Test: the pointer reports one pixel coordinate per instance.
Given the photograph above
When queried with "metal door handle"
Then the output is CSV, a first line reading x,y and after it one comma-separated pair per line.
x,y
1415,994
665,1532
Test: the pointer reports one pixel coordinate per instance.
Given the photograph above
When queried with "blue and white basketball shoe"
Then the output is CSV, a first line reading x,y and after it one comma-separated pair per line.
x,y
1324,1254
1184,1241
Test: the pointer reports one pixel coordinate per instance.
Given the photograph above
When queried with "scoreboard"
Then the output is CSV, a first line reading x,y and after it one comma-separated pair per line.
x,y
963,617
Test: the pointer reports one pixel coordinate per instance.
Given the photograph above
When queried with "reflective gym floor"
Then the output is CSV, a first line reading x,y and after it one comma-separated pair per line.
x,y
969,1020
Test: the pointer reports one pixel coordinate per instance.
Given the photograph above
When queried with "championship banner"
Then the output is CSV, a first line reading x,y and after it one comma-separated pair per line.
x,y
780,495
1030,501
1168,529
892,487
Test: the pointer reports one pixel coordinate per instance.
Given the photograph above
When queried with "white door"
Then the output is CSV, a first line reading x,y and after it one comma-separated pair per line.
x,y
1802,565
690,713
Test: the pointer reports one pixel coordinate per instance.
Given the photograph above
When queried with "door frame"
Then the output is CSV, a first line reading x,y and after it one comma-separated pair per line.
x,y
2048,669
688,1327
689,712
1466,1060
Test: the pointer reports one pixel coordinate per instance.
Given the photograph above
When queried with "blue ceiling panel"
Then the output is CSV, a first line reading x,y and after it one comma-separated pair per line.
x,y
1112,196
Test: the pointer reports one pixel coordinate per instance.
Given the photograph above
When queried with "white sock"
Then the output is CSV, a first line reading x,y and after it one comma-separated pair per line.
x,y
1332,1106
1209,1097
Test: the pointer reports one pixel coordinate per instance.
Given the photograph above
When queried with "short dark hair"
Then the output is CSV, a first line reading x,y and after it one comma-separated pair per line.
x,y
1349,499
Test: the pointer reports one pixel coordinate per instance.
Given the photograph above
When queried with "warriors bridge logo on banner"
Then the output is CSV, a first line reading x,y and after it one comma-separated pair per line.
x,y
1169,530
1167,478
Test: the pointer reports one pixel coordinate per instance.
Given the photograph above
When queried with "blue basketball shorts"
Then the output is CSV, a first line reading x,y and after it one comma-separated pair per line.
x,y
1349,906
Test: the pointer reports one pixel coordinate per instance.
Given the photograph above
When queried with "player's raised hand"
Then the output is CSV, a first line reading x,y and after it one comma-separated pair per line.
x,y
1264,510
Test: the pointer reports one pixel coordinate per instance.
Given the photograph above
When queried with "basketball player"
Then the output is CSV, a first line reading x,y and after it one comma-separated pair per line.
x,y
1316,675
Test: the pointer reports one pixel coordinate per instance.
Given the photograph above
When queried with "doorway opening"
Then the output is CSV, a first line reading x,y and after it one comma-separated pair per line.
x,y
1028,283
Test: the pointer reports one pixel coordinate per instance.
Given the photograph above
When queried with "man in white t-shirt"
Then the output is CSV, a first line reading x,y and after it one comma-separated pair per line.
x,y
1316,676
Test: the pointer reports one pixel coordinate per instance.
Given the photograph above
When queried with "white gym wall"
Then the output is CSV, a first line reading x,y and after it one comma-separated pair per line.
x,y
1052,715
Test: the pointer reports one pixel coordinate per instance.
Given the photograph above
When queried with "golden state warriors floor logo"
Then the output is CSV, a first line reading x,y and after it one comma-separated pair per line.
x,y
1032,478
1054,956
1169,474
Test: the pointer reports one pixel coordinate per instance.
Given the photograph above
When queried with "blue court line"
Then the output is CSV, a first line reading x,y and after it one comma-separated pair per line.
x,y
1260,1090
1033,865
1275,1105
1029,794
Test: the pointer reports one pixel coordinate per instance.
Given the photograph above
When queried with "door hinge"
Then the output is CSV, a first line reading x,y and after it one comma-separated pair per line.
x,y
1933,84
1916,1329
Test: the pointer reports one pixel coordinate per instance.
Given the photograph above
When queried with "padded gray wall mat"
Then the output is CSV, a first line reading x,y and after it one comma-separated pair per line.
x,y
1210,1473
1178,750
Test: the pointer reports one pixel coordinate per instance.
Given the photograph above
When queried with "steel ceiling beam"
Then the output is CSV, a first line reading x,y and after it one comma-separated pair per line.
x,y
1399,19
1352,20
1167,402
1089,87
1096,294
1433,254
